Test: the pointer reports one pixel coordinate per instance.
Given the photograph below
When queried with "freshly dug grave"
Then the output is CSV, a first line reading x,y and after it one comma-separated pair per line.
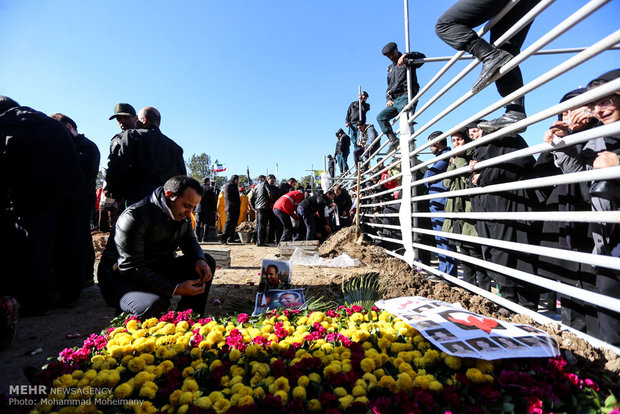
x,y
247,226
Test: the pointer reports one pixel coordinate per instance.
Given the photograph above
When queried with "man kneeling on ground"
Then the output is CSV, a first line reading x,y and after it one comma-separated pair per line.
x,y
139,271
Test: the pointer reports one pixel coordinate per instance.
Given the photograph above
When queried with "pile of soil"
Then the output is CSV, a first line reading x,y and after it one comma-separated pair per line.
x,y
99,241
247,226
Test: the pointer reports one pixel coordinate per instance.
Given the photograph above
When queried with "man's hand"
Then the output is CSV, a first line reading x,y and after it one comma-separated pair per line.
x,y
190,288
579,119
606,159
559,128
472,164
389,103
203,270
401,60
328,229
346,124
474,178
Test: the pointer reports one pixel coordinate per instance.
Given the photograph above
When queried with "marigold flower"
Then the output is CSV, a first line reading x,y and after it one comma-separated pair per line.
x,y
475,376
123,390
299,392
203,403
346,401
221,406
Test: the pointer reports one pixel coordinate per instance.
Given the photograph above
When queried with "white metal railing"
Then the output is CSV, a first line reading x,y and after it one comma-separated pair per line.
x,y
397,217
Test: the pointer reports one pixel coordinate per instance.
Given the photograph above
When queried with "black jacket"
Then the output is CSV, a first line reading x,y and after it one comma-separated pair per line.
x,y
343,201
343,144
315,203
208,202
353,113
146,234
231,196
286,188
512,170
37,151
262,196
89,157
397,77
141,161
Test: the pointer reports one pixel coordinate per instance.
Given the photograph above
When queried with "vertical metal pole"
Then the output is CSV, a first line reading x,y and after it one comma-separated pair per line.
x,y
407,50
359,103
357,199
413,191
312,178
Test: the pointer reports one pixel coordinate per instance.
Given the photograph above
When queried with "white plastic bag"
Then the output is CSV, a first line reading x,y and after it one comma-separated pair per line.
x,y
300,257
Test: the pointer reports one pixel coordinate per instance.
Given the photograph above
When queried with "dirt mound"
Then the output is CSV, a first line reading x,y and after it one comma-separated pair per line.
x,y
99,241
334,244
249,226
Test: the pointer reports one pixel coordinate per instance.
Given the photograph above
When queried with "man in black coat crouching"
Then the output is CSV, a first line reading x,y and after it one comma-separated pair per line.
x,y
139,271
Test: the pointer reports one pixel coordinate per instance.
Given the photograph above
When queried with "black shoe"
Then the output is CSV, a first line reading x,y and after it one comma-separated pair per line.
x,y
509,118
223,242
490,66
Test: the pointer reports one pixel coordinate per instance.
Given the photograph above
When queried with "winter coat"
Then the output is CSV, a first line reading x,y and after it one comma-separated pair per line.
x,y
208,204
89,157
262,196
288,203
397,77
35,151
231,196
143,160
460,204
353,113
146,234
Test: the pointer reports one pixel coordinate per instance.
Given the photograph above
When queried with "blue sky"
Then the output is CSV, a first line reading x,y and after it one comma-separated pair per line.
x,y
249,82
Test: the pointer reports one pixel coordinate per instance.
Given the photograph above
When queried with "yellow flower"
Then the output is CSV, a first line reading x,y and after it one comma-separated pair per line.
x,y
368,364
404,382
486,367
435,386
234,355
299,392
246,400
132,325
203,403
453,362
186,397
387,382
136,364
148,390
143,377
313,376
303,381
283,396
314,405
340,392
475,376
358,390
281,384
123,390
346,401
190,384
187,372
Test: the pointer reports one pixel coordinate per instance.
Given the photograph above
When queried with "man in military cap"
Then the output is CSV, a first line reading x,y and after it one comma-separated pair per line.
x,y
126,117
144,160
397,88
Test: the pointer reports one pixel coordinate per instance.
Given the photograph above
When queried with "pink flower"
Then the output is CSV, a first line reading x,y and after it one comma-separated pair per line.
x,y
534,405
243,318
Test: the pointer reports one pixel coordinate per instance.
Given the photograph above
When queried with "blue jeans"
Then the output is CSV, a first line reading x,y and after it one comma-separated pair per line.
x,y
353,134
447,264
389,112
307,224
341,159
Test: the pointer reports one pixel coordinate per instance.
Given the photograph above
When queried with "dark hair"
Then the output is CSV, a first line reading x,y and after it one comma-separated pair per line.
x,y
297,295
274,266
178,184
463,133
330,192
206,180
64,119
292,179
7,103
261,177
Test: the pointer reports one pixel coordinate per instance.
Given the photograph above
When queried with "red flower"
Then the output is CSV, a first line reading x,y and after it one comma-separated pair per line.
x,y
243,318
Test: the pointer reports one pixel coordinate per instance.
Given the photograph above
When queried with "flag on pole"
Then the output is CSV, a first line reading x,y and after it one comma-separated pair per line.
x,y
217,167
